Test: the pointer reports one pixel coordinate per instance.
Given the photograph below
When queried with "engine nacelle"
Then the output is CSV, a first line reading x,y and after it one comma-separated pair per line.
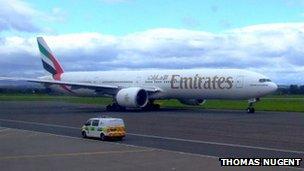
x,y
133,97
193,102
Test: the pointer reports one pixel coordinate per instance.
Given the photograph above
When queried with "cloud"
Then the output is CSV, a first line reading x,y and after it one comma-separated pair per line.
x,y
17,15
57,15
293,3
20,16
275,50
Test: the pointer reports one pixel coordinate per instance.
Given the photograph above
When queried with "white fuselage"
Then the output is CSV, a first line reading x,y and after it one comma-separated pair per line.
x,y
179,84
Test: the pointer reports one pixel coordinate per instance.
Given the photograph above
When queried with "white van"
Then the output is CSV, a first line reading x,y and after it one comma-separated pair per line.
x,y
104,128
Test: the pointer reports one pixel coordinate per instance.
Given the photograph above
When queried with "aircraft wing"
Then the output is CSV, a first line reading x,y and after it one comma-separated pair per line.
x,y
106,89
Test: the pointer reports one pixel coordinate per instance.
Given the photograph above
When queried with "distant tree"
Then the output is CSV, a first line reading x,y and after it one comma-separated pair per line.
x,y
293,89
301,89
282,91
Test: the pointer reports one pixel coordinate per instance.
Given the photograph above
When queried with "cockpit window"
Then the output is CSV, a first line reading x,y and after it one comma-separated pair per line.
x,y
264,80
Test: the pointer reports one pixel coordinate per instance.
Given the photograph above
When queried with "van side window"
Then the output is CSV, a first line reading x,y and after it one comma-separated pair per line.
x,y
95,122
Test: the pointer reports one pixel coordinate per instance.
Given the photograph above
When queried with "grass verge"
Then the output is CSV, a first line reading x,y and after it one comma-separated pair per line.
x,y
271,103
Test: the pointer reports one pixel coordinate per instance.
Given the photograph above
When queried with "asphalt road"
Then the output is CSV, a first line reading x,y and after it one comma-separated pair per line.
x,y
204,132
29,150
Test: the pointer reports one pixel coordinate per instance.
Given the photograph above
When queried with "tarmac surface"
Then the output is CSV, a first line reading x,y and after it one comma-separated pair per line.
x,y
169,139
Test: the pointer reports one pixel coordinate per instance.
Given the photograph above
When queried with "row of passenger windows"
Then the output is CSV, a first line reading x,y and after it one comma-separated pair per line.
x,y
117,82
160,81
113,82
104,82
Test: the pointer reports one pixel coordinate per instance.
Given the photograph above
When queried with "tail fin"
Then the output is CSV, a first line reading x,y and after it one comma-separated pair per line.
x,y
49,61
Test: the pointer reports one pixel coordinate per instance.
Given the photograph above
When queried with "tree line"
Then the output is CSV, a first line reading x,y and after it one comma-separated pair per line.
x,y
291,89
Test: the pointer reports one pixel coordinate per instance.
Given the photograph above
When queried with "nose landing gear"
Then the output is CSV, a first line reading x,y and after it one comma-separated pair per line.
x,y
251,103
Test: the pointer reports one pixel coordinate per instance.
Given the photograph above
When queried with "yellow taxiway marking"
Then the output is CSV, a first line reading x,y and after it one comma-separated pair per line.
x,y
73,154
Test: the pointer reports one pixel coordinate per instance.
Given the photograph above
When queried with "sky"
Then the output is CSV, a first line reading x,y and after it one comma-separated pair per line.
x,y
262,36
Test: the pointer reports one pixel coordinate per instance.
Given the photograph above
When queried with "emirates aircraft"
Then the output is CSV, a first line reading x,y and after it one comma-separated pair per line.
x,y
139,89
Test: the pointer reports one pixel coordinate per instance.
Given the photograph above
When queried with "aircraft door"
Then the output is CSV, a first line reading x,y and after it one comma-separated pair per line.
x,y
239,81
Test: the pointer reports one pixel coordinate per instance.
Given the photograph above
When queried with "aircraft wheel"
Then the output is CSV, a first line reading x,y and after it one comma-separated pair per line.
x,y
115,107
109,108
156,106
151,106
250,110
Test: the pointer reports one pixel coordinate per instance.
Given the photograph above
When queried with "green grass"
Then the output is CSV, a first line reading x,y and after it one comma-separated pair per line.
x,y
269,103
31,97
278,104
285,96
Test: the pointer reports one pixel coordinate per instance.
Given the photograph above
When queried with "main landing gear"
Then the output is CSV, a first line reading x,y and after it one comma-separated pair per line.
x,y
115,107
251,103
151,106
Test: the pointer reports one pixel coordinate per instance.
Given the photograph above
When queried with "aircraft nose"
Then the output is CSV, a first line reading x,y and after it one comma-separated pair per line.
x,y
273,87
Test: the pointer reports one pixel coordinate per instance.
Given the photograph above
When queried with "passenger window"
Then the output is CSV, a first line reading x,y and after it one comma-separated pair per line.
x,y
95,122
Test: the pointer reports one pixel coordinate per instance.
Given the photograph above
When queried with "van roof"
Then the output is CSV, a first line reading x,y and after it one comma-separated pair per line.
x,y
108,119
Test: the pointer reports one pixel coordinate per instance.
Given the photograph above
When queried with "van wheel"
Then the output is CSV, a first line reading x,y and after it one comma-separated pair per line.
x,y
250,110
84,134
102,137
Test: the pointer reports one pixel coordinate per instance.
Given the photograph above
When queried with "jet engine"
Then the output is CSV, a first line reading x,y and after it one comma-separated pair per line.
x,y
193,102
132,97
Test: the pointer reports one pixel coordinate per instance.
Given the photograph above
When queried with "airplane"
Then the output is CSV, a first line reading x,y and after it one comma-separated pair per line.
x,y
139,89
